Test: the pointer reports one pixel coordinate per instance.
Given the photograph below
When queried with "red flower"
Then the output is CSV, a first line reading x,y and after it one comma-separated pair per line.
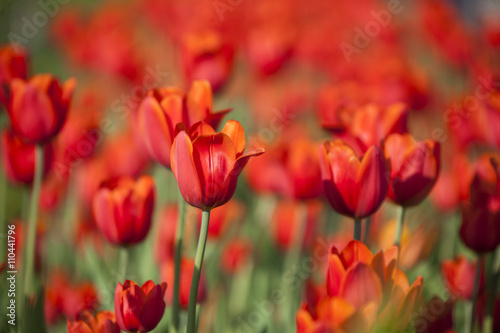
x,y
236,254
18,158
354,187
414,168
12,65
207,164
187,267
38,107
123,209
103,322
139,309
480,229
164,108
458,275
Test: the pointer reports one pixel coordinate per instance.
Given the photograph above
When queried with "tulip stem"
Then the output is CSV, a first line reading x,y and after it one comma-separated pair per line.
x,y
495,276
179,235
357,229
29,264
123,261
368,224
475,292
399,226
198,263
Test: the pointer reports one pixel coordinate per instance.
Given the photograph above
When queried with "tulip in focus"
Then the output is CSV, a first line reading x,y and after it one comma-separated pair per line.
x,y
102,322
207,164
123,209
38,108
139,309
414,168
354,187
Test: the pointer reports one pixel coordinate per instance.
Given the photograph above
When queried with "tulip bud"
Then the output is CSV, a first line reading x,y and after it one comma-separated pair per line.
x,y
139,309
123,209
38,107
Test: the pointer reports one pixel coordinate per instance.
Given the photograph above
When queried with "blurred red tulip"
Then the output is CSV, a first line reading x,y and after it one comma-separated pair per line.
x,y
39,107
287,217
207,164
222,217
187,267
103,322
206,56
236,254
165,238
13,64
415,168
79,297
354,187
162,109
18,158
480,229
139,309
123,209
458,275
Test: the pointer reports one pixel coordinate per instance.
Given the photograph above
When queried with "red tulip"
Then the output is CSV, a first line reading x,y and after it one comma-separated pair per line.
x,y
12,65
354,187
206,56
207,164
139,309
223,217
236,254
103,322
18,158
480,229
123,209
414,168
164,108
458,275
187,267
38,107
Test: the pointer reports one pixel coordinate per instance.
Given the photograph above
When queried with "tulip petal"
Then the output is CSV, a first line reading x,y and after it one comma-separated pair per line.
x,y
198,102
185,171
200,128
356,251
152,309
335,274
233,129
361,285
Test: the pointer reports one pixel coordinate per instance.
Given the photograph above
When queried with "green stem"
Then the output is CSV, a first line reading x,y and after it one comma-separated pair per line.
x,y
179,235
495,276
399,226
357,229
198,263
472,307
123,261
29,263
368,224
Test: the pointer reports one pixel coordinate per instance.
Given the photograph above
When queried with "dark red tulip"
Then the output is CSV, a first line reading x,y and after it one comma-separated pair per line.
x,y
18,158
123,209
102,322
354,187
187,267
415,168
12,65
139,309
162,109
38,107
207,164
480,229
436,317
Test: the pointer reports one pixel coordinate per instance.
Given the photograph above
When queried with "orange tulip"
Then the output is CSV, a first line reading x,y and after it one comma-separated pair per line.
x,y
354,187
103,322
207,164
123,209
162,109
415,168
38,107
